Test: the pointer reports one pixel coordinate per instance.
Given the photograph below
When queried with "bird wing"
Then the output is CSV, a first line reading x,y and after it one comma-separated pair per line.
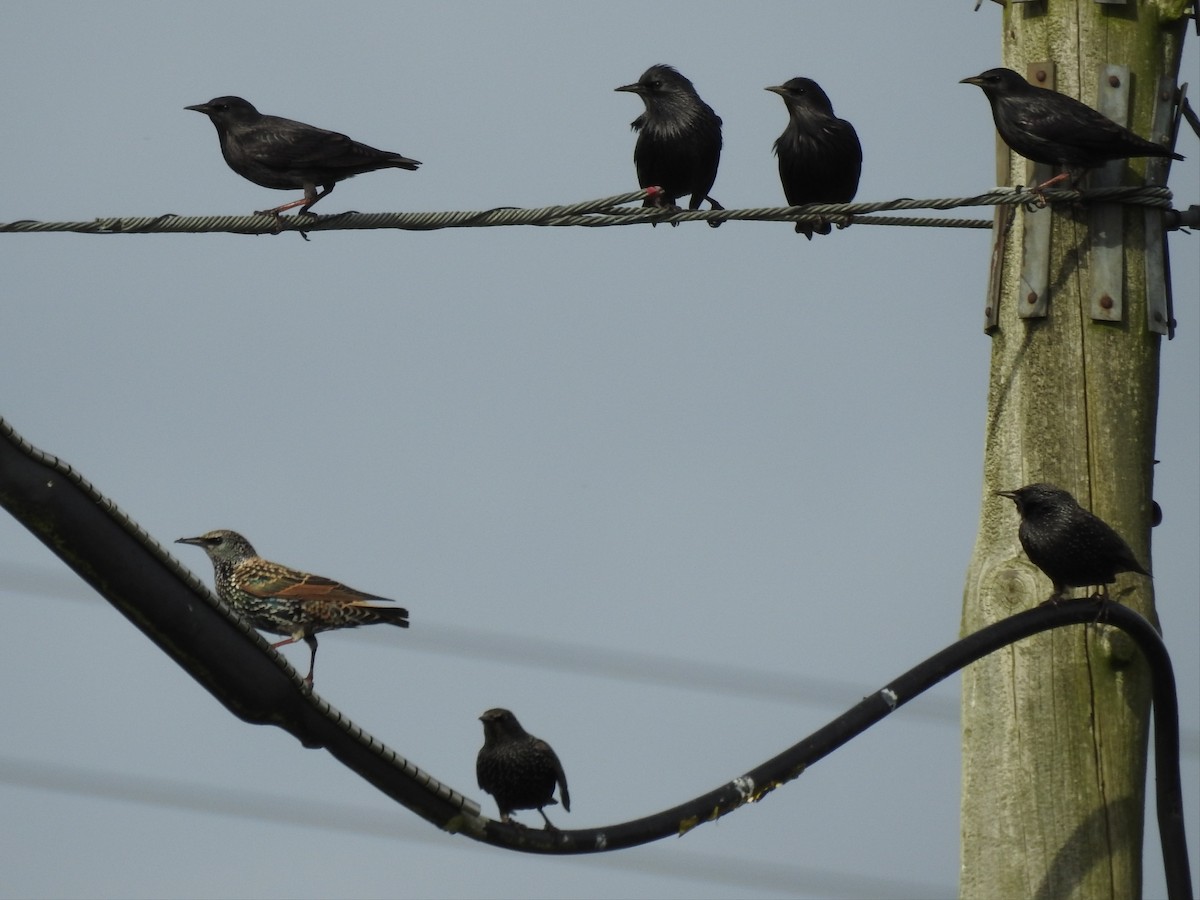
x,y
1074,124
559,775
265,579
286,145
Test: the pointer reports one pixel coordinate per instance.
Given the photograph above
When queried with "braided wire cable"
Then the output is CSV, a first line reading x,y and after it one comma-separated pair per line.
x,y
603,212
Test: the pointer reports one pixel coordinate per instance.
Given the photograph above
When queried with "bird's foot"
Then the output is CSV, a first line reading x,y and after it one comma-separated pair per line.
x,y
1102,607
661,201
274,214
1039,191
713,204
1036,202
1103,603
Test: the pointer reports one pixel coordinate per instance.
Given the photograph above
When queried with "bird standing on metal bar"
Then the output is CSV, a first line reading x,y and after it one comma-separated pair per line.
x,y
518,769
1073,547
287,155
820,157
1048,127
679,139
279,600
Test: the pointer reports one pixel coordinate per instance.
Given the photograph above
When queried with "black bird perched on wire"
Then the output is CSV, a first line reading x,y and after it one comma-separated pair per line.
x,y
279,600
1073,547
287,155
518,769
820,158
1048,127
679,139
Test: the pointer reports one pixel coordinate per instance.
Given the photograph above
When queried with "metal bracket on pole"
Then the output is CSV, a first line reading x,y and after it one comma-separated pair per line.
x,y
1160,311
1106,262
1035,266
1003,217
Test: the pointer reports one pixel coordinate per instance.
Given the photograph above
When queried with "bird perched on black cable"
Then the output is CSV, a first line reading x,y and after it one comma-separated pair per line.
x,y
1073,547
518,769
287,155
820,157
679,139
1048,127
279,600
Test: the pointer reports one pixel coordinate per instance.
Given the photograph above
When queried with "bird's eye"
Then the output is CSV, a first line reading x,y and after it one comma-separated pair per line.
x,y
656,83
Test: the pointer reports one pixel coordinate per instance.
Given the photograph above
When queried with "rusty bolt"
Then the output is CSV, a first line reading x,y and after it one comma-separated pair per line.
x,y
1106,302
1040,74
1114,81
987,311
1031,298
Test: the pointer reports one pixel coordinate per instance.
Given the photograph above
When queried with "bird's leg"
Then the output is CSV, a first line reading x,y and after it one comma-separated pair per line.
x,y
278,209
311,640
1050,182
311,195
549,826
285,641
657,198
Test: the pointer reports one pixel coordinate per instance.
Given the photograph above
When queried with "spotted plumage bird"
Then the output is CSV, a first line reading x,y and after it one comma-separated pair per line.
x,y
279,600
679,139
287,155
518,769
1072,546
820,157
1048,127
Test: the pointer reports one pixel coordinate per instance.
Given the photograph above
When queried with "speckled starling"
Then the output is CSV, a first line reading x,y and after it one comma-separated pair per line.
x,y
820,158
287,155
1073,547
1048,127
280,600
518,769
679,139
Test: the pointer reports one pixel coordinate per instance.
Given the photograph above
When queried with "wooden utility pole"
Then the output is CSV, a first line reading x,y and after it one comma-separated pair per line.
x,y
1055,727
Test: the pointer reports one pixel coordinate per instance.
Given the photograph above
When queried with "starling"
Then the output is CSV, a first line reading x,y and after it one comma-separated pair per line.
x,y
1070,545
820,157
287,155
1048,127
679,139
280,600
516,768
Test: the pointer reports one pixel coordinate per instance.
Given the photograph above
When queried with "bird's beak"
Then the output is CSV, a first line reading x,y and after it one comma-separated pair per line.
x,y
200,108
776,89
197,541
1011,495
634,88
974,79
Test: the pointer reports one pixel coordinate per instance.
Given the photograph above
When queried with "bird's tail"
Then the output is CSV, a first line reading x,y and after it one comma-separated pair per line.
x,y
378,612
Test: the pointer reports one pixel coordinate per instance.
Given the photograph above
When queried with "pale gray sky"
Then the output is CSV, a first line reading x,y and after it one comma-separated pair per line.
x,y
729,446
